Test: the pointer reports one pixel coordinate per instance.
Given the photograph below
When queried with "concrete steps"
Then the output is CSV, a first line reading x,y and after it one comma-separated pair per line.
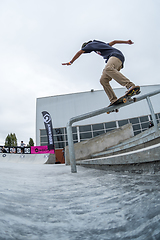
x,y
142,140
139,154
138,161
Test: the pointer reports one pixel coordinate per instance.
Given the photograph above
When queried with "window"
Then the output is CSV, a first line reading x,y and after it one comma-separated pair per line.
x,y
87,135
110,125
44,139
136,133
75,137
136,127
74,130
43,132
98,126
108,130
44,144
59,145
134,120
122,122
144,119
97,133
57,131
145,125
86,128
58,138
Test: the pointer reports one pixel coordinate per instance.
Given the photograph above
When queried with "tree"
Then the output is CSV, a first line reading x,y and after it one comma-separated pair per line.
x,y
31,142
11,140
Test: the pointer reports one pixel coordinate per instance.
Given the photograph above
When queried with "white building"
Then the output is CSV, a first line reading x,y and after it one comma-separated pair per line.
x,y
64,107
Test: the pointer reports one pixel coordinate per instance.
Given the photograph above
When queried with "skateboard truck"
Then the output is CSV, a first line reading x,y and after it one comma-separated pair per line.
x,y
114,110
126,98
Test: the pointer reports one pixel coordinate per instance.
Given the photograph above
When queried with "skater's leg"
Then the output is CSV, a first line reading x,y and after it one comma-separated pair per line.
x,y
112,69
104,80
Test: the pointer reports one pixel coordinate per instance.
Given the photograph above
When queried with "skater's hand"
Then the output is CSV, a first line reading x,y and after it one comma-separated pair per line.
x,y
77,55
68,63
130,42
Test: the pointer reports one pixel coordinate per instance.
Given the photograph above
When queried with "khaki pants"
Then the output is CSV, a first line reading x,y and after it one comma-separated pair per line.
x,y
110,71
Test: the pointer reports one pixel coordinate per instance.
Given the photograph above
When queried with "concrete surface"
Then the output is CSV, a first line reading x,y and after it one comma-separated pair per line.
x,y
28,158
100,143
47,202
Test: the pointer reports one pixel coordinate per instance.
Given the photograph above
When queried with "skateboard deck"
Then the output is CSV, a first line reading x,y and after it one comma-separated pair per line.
x,y
127,97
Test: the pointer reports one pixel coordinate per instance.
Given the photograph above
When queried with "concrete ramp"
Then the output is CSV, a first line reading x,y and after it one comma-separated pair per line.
x,y
28,158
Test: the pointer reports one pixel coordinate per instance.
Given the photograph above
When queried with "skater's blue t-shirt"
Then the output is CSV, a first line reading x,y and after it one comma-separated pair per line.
x,y
103,49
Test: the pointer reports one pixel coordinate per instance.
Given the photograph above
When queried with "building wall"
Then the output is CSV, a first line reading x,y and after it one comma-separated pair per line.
x,y
63,107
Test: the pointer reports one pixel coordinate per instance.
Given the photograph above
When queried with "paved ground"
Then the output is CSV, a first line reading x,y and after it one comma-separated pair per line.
x,y
44,202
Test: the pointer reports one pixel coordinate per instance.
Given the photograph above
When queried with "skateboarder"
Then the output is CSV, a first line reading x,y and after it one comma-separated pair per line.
x,y
114,62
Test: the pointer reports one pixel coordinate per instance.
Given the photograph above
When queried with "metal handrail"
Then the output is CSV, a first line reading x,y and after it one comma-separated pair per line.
x,y
101,111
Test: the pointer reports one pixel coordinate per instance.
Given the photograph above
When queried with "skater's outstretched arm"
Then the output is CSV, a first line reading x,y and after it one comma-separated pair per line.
x,y
120,41
77,55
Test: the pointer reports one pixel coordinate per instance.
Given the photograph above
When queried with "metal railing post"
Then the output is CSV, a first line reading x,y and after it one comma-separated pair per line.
x,y
152,113
71,148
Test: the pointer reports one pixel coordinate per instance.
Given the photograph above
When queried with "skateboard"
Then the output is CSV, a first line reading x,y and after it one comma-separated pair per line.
x,y
126,98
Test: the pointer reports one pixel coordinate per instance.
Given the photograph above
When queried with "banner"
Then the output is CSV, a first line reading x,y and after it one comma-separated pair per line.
x,y
41,150
48,125
27,150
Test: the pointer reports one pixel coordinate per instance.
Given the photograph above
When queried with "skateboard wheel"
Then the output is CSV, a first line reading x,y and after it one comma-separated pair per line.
x,y
108,112
124,100
135,99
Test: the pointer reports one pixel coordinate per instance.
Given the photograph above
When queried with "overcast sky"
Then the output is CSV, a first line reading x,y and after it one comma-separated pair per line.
x,y
36,36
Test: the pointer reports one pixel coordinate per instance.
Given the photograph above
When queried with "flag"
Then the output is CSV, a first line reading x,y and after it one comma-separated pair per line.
x,y
48,125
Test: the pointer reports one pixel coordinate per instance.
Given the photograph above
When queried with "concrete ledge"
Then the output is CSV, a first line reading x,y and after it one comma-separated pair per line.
x,y
85,149
149,156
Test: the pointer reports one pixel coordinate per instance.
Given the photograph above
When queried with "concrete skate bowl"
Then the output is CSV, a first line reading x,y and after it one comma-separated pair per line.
x,y
28,158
